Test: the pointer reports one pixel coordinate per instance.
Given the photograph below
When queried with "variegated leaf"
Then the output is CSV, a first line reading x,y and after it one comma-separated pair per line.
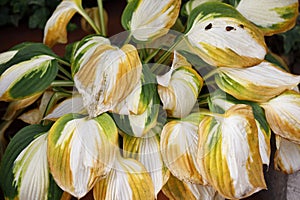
x,y
108,77
27,78
283,115
128,180
35,115
147,151
150,19
14,106
222,37
287,156
192,4
85,49
7,56
139,99
228,153
24,171
23,52
81,151
139,125
258,83
56,27
73,104
177,190
179,144
179,88
221,102
31,170
271,16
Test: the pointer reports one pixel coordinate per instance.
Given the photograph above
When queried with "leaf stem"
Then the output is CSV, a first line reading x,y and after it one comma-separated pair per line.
x,y
102,21
167,53
62,83
89,20
210,74
149,57
65,72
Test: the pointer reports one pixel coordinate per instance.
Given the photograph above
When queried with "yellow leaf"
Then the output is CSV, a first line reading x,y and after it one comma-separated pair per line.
x,y
228,153
56,26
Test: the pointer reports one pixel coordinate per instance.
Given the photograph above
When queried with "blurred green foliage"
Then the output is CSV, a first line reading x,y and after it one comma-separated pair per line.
x,y
36,12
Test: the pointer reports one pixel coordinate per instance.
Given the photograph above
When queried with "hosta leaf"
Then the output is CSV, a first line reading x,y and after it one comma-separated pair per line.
x,y
56,27
147,151
283,115
220,102
22,52
81,151
128,180
108,77
28,78
150,19
222,37
14,106
139,125
271,16
287,156
35,115
179,144
258,83
138,100
192,4
85,49
228,153
177,190
24,169
179,88
277,60
73,104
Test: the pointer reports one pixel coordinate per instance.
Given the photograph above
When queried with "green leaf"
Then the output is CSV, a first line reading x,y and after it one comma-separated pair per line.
x,y
232,2
291,40
272,58
19,142
39,18
26,51
37,2
38,80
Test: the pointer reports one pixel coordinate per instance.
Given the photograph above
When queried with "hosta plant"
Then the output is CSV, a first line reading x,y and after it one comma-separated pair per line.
x,y
183,102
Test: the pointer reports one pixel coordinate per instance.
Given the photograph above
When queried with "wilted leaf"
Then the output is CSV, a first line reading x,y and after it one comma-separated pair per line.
x,y
150,19
81,151
258,83
56,27
178,190
108,77
179,88
128,180
283,115
287,156
271,16
179,144
228,153
147,151
222,37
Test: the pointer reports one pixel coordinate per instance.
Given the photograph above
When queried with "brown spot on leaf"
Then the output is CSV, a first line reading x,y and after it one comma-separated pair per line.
x,y
229,28
241,26
209,26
